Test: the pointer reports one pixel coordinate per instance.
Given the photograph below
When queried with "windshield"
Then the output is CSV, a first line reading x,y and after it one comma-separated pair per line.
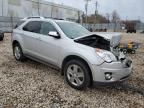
x,y
73,30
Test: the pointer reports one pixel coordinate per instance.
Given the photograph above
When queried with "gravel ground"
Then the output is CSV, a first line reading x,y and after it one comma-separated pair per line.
x,y
34,85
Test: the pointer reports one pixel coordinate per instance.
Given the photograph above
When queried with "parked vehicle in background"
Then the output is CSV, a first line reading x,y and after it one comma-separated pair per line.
x,y
83,57
1,35
131,27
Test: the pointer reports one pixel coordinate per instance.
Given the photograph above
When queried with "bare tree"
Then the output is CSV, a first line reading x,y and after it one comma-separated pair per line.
x,y
12,19
2,6
79,19
11,13
96,11
115,16
108,18
115,19
38,3
86,9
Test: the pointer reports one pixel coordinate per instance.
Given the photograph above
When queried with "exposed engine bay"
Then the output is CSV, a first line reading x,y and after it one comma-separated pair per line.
x,y
100,42
95,41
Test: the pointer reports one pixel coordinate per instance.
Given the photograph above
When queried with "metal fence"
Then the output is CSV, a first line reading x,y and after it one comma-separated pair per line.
x,y
8,23
12,10
111,26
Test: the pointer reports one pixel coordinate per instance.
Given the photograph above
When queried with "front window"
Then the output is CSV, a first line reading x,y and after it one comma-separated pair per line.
x,y
46,27
73,30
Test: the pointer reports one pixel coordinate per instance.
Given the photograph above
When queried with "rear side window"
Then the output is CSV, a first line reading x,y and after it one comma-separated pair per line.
x,y
46,27
19,23
33,26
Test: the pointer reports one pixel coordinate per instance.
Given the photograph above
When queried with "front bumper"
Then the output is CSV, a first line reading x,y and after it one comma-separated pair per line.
x,y
119,72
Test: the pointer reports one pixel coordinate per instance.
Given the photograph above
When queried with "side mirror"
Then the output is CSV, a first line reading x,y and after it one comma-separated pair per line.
x,y
54,34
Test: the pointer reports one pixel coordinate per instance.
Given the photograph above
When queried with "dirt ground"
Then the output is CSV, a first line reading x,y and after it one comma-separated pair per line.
x,y
34,85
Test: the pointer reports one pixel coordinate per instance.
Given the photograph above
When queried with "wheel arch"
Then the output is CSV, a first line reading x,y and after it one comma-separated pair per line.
x,y
72,57
15,42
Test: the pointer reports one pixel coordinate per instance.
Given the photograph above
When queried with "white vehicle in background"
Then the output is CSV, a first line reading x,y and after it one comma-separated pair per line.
x,y
83,57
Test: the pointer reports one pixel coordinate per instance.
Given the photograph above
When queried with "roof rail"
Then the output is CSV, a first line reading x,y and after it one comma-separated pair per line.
x,y
54,18
40,17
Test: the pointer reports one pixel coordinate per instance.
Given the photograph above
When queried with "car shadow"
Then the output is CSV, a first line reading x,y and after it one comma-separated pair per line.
x,y
126,87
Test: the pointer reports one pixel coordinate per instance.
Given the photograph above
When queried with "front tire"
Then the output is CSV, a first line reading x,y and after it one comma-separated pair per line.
x,y
18,53
77,74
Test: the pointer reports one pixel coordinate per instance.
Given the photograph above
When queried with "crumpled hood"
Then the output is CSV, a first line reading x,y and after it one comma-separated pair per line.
x,y
114,38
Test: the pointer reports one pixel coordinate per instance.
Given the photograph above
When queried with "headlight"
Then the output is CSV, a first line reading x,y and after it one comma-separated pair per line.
x,y
107,56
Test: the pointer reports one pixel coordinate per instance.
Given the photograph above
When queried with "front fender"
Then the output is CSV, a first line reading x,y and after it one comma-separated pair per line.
x,y
86,53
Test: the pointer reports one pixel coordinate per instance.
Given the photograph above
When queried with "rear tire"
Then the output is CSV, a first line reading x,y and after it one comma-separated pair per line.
x,y
77,74
18,53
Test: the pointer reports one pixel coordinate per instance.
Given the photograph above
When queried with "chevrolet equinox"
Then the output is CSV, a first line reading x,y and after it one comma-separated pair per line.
x,y
84,57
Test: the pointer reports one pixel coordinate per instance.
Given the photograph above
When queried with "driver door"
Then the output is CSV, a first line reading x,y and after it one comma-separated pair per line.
x,y
48,46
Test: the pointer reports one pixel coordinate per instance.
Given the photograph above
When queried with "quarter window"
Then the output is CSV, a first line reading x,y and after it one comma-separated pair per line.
x,y
33,26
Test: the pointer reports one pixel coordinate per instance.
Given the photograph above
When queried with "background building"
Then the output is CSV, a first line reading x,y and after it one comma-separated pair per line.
x,y
12,10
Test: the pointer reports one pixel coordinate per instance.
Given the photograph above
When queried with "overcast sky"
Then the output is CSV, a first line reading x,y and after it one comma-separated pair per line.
x,y
127,9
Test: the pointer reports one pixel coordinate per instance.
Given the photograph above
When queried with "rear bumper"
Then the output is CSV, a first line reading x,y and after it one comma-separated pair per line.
x,y
119,72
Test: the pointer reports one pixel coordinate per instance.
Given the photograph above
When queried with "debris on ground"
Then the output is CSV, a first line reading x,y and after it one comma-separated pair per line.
x,y
34,85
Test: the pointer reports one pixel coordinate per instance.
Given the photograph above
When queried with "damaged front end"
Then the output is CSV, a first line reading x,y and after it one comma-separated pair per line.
x,y
116,67
106,45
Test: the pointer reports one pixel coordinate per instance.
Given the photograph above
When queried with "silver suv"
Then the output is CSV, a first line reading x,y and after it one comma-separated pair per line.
x,y
83,57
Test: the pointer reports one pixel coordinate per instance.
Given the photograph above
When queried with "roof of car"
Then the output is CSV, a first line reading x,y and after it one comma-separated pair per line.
x,y
63,21
44,19
40,18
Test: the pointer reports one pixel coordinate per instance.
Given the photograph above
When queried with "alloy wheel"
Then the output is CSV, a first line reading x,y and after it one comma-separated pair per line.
x,y
17,52
75,75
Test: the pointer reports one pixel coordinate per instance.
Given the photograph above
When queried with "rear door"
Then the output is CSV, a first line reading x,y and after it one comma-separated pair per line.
x,y
31,37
